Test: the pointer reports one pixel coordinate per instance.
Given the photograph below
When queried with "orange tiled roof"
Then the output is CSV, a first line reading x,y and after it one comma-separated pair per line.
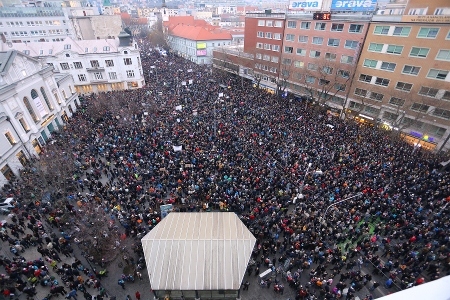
x,y
198,33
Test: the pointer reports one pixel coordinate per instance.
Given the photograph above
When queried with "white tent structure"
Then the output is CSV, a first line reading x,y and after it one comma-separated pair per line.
x,y
197,252
435,290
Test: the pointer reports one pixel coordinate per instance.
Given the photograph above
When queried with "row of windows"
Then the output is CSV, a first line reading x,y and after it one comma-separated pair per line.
x,y
345,59
95,64
443,54
407,69
403,86
268,47
270,23
321,26
99,75
268,35
332,42
265,68
404,31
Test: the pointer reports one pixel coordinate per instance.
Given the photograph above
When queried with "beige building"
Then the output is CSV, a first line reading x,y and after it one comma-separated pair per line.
x,y
402,79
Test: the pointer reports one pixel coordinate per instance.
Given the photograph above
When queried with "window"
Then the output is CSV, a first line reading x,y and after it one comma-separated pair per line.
x,y
305,25
24,124
269,23
109,63
258,56
381,30
429,33
278,24
388,66
106,48
394,49
285,73
299,64
420,107
355,28
419,52
10,138
390,116
290,37
443,55
267,46
261,22
268,35
266,57
360,92
337,27
95,64
77,65
277,36
375,47
365,78
382,81
371,110
330,56
324,82
312,66
112,75
127,61
303,39
401,31
317,40
396,101
344,73
98,76
44,94
288,49
355,105
349,44
345,59
410,70
82,77
291,24
287,61
333,42
310,79
276,48
403,86
30,109
442,113
275,59
259,45
376,96
130,74
428,91
370,63
260,34
314,54
437,74
67,47
327,70
446,95
301,52
320,26
64,66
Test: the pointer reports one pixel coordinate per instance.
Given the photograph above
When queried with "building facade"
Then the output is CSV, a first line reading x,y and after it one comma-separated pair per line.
x,y
34,102
94,65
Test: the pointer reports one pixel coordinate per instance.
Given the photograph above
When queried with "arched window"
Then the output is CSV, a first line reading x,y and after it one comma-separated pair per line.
x,y
30,109
34,94
49,104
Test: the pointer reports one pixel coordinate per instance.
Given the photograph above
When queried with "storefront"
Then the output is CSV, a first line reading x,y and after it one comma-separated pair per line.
x,y
419,140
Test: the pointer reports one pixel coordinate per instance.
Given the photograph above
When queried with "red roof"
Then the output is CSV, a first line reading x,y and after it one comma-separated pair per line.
x,y
198,33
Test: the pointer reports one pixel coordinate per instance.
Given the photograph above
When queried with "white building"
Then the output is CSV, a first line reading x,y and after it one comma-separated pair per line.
x,y
196,43
34,102
95,65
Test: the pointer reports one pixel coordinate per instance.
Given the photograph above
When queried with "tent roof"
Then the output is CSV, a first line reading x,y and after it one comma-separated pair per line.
x,y
198,251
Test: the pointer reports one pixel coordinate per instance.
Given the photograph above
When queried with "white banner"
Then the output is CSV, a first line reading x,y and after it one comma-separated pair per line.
x,y
40,107
177,148
178,107
306,5
191,81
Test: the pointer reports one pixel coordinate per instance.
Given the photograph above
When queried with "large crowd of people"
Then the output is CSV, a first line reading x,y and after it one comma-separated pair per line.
x,y
333,204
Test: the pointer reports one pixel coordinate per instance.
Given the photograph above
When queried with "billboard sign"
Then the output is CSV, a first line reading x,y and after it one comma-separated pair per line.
x,y
201,52
353,5
313,5
201,45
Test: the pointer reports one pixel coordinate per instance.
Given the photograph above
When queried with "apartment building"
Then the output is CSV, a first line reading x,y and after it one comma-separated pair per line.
x,y
403,81
94,65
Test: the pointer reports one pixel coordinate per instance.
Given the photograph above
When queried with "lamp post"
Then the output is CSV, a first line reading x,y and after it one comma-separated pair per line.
x,y
334,204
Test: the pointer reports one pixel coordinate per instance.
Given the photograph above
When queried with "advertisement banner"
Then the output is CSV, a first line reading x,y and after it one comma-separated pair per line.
x,y
353,5
312,5
201,45
40,107
201,52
